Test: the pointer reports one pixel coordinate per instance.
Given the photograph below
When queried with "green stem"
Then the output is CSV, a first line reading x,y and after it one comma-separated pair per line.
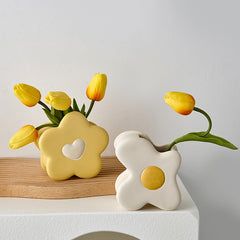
x,y
44,105
171,145
181,139
208,118
90,108
46,125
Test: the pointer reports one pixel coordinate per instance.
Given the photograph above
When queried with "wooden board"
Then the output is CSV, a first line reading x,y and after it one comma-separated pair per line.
x,y
25,178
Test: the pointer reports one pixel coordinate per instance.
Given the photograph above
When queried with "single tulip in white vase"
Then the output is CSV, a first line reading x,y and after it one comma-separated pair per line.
x,y
151,171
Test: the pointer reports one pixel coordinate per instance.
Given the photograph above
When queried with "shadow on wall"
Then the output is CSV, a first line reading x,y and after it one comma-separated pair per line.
x,y
219,215
216,221
225,227
105,236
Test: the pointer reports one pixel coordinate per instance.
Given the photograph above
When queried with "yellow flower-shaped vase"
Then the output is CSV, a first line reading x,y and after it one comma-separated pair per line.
x,y
72,148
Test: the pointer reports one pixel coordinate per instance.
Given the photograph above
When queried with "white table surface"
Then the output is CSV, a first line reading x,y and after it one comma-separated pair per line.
x,y
66,219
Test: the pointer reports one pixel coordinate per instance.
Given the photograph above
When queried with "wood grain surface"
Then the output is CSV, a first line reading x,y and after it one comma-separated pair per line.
x,y
24,177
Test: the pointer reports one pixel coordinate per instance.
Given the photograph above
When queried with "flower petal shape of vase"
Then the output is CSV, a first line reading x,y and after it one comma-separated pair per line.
x,y
150,175
72,148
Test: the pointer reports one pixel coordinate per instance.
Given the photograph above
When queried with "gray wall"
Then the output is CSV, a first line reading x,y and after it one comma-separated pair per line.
x,y
146,48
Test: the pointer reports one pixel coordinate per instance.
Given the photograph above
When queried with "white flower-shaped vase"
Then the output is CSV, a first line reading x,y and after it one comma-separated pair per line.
x,y
150,175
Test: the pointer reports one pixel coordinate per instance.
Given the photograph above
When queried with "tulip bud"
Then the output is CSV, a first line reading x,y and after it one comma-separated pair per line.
x,y
97,86
27,94
180,102
58,100
23,136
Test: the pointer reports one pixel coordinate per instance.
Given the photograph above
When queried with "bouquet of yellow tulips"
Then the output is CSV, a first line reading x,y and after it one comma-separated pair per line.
x,y
184,104
57,105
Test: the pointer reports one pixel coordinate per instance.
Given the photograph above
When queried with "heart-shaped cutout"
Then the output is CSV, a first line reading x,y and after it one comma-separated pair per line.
x,y
75,150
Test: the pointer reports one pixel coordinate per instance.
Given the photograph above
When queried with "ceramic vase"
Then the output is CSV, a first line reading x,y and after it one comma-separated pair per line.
x,y
150,175
72,148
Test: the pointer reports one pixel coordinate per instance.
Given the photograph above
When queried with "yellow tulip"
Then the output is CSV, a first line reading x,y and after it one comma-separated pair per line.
x,y
27,94
180,102
23,136
58,100
97,86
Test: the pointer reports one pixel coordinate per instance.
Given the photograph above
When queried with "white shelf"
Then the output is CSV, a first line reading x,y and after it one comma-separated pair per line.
x,y
67,219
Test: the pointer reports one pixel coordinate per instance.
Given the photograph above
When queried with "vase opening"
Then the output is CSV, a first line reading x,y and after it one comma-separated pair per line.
x,y
163,148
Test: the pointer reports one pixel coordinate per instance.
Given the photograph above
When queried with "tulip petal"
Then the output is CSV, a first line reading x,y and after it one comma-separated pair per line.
x,y
23,136
27,94
180,102
58,100
97,87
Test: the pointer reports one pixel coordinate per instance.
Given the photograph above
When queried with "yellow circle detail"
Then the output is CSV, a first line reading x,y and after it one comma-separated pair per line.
x,y
152,177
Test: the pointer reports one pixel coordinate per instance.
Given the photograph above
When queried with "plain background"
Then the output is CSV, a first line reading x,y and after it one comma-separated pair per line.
x,y
146,48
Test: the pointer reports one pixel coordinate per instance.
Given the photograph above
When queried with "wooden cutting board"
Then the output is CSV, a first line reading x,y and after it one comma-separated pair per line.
x,y
23,177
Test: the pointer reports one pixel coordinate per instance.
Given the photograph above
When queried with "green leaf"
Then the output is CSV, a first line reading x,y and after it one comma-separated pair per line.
x,y
52,111
67,111
199,136
57,113
51,117
75,105
83,109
